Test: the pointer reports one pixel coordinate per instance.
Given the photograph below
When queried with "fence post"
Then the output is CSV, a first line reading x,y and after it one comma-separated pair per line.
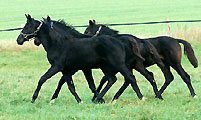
x,y
168,27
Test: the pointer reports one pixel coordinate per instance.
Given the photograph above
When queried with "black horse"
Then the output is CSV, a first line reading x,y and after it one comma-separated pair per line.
x,y
68,54
138,64
146,48
168,48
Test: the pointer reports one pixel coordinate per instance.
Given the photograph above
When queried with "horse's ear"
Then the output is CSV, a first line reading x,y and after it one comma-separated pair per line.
x,y
91,22
43,18
48,19
94,21
28,16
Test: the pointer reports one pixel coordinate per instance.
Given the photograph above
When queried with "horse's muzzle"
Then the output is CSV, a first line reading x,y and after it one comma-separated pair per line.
x,y
20,40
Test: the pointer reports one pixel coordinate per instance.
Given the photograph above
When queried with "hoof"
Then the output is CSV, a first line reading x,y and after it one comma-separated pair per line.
x,y
159,97
195,97
93,99
114,101
101,100
144,98
81,102
32,101
52,101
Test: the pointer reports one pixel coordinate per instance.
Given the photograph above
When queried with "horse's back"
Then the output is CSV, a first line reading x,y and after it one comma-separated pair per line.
x,y
167,47
165,42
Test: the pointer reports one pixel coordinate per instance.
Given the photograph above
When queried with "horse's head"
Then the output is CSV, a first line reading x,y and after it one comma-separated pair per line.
x,y
30,31
48,22
98,29
56,32
60,30
92,28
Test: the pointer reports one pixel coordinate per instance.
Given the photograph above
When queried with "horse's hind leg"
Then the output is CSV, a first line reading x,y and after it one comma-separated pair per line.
x,y
140,68
71,87
56,93
130,78
102,82
185,77
111,80
168,78
90,81
121,90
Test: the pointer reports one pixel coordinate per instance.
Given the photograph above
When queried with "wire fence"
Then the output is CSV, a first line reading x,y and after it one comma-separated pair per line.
x,y
125,24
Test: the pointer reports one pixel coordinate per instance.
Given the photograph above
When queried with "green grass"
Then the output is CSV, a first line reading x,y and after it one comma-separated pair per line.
x,y
78,12
21,70
22,66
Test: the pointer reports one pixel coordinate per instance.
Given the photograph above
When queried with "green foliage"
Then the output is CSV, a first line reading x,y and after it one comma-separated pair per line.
x,y
22,66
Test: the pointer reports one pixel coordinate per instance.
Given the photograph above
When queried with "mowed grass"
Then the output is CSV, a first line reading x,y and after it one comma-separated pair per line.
x,y
21,70
22,66
78,12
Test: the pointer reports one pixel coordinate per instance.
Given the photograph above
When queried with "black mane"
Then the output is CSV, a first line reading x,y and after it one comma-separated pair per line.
x,y
109,30
63,23
68,29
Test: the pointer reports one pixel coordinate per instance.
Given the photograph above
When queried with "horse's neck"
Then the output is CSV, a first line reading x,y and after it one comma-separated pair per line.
x,y
46,40
108,31
144,46
71,32
77,34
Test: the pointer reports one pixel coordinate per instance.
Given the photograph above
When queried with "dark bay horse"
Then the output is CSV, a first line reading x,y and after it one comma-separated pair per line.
x,y
137,64
68,54
168,48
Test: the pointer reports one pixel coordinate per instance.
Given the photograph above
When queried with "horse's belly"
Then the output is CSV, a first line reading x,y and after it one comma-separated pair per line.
x,y
87,63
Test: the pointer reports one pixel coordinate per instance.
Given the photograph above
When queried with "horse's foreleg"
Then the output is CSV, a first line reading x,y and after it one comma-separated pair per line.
x,y
52,71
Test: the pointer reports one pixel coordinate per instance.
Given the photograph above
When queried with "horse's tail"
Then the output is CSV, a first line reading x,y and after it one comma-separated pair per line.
x,y
136,49
188,51
152,50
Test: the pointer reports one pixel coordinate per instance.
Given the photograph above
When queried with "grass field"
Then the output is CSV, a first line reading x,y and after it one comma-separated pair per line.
x,y
22,66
